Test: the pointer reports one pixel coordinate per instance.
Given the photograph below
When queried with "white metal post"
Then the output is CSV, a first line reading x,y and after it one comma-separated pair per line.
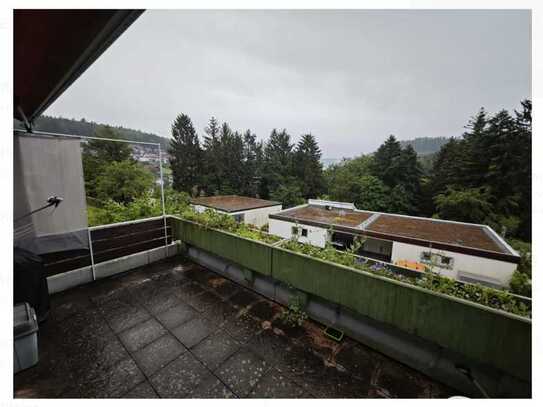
x,y
91,254
162,196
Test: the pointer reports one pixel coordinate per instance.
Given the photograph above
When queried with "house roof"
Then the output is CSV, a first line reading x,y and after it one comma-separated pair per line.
x,y
335,216
467,238
428,229
233,203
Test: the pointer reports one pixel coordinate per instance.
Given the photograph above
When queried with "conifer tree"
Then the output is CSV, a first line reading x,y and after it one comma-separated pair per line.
x,y
185,155
278,157
308,168
252,164
211,156
386,162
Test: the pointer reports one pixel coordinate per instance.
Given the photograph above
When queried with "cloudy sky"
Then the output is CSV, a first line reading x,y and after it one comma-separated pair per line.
x,y
350,78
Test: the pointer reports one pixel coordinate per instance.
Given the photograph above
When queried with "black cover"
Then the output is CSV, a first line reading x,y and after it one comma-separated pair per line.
x,y
30,282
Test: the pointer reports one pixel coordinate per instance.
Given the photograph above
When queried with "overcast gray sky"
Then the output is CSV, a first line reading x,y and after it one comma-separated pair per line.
x,y
350,78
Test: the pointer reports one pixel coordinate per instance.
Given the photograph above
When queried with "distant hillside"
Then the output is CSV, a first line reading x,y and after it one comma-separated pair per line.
x,y
85,128
425,145
327,162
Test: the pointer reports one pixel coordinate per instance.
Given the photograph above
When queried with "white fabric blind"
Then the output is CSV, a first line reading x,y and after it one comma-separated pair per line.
x,y
45,167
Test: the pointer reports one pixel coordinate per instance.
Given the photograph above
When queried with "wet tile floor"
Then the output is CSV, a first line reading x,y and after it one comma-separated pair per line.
x,y
177,330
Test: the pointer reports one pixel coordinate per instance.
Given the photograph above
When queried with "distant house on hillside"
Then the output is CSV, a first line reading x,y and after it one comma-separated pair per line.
x,y
463,251
244,209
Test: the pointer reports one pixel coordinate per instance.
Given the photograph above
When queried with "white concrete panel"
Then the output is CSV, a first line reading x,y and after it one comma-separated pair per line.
x,y
69,279
315,235
259,216
486,269
73,278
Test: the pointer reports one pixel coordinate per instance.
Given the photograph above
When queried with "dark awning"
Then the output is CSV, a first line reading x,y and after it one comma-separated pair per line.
x,y
52,48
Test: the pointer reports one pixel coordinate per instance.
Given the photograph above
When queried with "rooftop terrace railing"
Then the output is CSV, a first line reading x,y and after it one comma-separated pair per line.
x,y
489,336
112,241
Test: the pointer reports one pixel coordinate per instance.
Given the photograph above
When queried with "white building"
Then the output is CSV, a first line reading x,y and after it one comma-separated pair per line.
x,y
462,251
244,209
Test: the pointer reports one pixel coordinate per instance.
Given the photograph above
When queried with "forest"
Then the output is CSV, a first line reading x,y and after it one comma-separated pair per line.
x,y
87,128
483,176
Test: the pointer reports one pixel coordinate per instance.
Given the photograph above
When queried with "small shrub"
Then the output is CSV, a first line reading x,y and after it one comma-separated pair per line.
x,y
216,220
294,315
521,284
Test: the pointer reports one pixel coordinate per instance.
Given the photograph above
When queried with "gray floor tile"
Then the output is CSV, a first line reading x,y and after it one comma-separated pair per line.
x,y
142,334
213,350
121,316
142,391
277,385
163,300
177,315
211,388
179,378
203,301
189,289
157,354
194,331
113,382
219,313
242,327
242,371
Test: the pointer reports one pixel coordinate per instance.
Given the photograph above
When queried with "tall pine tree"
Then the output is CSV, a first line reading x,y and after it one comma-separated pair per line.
x,y
386,162
252,164
523,172
308,168
278,157
211,166
185,155
230,160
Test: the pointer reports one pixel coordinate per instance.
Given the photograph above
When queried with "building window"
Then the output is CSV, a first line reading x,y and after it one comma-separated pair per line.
x,y
294,231
426,256
240,217
304,232
446,261
436,260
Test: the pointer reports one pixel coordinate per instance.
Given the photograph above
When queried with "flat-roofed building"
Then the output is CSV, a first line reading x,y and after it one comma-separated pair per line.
x,y
253,211
463,251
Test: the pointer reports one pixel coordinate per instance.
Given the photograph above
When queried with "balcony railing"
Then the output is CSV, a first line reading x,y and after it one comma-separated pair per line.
x,y
110,242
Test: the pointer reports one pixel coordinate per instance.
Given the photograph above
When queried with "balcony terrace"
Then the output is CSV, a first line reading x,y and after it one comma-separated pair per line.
x,y
205,323
176,329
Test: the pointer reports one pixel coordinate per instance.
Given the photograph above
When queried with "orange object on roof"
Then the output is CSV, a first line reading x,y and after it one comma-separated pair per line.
x,y
413,265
